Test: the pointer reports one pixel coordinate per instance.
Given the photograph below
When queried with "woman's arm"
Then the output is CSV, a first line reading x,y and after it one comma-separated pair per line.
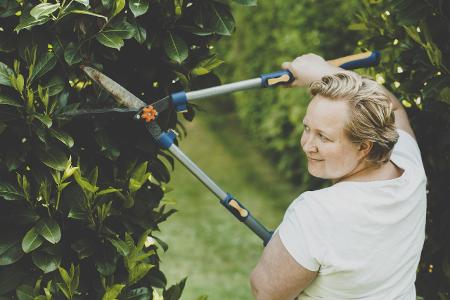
x,y
278,275
310,67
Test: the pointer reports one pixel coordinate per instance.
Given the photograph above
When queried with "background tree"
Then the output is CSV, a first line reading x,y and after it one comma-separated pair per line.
x,y
81,198
269,34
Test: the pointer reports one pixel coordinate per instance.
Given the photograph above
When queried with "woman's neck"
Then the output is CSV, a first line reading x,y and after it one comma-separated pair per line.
x,y
370,172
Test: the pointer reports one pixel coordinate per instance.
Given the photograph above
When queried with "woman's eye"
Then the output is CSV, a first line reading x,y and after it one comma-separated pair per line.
x,y
323,138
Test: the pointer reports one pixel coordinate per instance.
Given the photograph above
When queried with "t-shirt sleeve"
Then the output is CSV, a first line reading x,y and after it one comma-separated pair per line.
x,y
301,234
406,151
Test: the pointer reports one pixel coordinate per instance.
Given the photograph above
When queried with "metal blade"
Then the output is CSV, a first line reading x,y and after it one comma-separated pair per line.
x,y
119,93
101,111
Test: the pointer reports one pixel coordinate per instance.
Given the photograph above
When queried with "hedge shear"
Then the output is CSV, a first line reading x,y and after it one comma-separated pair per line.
x,y
148,114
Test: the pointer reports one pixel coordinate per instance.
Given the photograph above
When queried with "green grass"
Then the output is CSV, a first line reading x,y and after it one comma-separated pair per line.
x,y
206,243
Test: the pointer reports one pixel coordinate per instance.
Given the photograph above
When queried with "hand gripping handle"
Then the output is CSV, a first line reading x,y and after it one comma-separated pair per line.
x,y
361,60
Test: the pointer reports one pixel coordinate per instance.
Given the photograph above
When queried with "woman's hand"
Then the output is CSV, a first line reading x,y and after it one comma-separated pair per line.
x,y
308,68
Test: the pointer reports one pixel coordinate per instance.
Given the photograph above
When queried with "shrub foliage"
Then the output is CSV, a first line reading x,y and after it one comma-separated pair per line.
x,y
81,198
413,36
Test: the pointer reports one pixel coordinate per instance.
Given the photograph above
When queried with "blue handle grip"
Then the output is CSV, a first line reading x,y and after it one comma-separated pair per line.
x,y
361,60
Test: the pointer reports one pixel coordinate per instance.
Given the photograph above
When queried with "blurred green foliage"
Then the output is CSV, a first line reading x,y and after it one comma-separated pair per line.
x,y
270,33
414,37
81,198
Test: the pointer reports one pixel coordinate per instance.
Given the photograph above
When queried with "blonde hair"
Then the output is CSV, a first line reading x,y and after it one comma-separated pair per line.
x,y
371,115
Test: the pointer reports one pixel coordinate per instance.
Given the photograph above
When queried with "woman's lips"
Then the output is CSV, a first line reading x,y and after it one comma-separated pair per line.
x,y
314,159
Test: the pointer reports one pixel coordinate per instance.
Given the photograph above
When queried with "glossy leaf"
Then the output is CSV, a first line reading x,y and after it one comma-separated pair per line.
x,y
44,64
118,6
110,40
44,119
55,85
138,7
113,291
5,100
32,240
25,292
9,192
220,19
62,136
23,216
12,254
84,2
247,2
43,10
10,278
72,54
45,261
49,229
53,158
142,293
5,74
121,246
175,48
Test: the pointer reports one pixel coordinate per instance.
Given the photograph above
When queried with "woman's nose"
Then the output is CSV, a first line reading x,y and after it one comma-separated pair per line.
x,y
309,144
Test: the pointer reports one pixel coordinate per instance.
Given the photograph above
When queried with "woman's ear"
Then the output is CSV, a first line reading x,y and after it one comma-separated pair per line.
x,y
364,148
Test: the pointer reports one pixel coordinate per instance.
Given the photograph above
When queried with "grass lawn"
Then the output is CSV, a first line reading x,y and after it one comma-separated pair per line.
x,y
206,243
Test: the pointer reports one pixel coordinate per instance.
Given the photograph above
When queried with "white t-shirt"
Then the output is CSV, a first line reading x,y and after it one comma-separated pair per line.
x,y
364,238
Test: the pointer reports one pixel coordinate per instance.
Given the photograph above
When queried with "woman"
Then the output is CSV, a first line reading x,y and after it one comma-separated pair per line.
x,y
360,238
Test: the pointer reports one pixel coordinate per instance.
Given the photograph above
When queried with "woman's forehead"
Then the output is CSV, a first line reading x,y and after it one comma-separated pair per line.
x,y
326,114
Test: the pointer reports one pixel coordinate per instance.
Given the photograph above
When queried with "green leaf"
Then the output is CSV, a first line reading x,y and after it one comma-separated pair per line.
x,y
43,10
124,30
113,291
27,21
12,254
107,191
220,19
55,85
45,261
138,177
9,192
31,241
78,213
25,292
121,246
5,74
44,64
64,290
49,229
138,272
72,54
174,292
206,66
140,33
247,2
86,12
175,48
138,7
53,157
62,136
118,6
141,293
84,184
110,40
84,2
5,100
445,95
46,120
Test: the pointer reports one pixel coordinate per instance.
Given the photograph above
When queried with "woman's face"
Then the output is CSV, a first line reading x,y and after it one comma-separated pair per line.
x,y
331,154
